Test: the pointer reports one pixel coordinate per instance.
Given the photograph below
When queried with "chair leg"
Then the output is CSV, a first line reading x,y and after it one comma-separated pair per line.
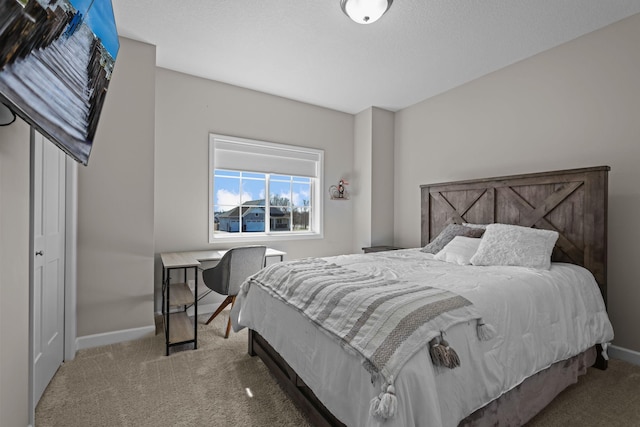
x,y
233,301
225,303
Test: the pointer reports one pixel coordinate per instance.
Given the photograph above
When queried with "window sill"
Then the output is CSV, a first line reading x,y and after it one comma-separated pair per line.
x,y
263,237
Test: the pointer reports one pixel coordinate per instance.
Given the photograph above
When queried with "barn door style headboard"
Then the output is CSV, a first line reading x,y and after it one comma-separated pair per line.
x,y
572,202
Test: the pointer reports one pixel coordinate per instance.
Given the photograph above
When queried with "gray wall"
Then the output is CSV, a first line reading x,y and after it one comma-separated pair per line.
x,y
14,274
361,184
372,178
573,106
115,203
382,177
188,109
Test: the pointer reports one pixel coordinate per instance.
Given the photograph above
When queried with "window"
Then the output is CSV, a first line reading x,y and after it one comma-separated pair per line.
x,y
262,189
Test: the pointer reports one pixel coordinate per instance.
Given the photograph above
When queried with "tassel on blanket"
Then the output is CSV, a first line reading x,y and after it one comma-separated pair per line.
x,y
442,354
385,404
437,352
452,356
485,331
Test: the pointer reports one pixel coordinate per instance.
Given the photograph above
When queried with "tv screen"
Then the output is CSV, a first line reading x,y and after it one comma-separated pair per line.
x,y
56,60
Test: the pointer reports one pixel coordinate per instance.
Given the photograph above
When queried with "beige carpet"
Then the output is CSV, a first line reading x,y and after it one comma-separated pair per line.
x,y
134,384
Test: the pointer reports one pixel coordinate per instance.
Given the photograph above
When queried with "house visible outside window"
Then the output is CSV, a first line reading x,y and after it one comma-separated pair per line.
x,y
263,190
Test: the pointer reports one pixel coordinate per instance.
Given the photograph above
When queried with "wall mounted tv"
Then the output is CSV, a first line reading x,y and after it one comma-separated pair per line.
x,y
56,60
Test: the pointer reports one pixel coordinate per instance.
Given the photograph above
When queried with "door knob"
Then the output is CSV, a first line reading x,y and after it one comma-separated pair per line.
x,y
39,253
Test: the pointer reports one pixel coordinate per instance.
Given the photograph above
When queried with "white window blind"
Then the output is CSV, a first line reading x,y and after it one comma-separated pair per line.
x,y
257,156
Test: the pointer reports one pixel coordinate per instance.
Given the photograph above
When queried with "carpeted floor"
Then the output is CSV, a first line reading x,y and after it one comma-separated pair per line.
x,y
134,384
600,398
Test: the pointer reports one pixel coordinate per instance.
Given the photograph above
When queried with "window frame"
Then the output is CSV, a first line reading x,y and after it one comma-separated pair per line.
x,y
316,199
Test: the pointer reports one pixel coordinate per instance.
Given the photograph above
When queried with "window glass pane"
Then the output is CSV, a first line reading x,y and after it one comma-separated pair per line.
x,y
301,194
280,219
253,218
301,190
226,219
280,193
226,191
301,218
280,200
253,189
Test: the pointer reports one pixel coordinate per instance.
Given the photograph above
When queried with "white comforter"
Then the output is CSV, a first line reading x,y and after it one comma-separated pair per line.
x,y
540,316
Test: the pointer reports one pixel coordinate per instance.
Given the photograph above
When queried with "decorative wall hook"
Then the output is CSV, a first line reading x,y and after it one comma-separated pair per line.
x,y
339,191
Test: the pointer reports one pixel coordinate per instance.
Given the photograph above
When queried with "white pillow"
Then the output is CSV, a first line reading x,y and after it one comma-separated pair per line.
x,y
504,244
459,250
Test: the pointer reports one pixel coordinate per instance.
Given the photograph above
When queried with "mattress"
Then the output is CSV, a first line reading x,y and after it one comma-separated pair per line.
x,y
540,317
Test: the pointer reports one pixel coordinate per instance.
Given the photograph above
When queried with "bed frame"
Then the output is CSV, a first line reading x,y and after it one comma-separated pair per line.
x,y
572,202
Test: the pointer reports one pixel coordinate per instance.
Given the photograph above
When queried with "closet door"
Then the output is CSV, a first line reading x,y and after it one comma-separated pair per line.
x,y
48,177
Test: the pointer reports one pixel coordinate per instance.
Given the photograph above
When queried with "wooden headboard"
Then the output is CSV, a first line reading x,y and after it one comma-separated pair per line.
x,y
572,202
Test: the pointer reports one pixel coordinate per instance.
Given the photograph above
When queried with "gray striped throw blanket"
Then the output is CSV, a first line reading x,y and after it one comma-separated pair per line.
x,y
384,322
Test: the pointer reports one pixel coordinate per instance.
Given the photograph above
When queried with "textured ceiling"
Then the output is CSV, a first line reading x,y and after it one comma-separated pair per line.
x,y
308,50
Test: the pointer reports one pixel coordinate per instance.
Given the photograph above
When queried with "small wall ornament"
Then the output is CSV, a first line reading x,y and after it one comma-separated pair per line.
x,y
339,191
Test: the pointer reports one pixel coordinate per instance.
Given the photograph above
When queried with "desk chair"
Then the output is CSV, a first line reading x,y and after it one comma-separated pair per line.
x,y
226,277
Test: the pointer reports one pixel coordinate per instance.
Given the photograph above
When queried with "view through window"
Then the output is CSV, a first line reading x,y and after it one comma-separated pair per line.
x,y
241,206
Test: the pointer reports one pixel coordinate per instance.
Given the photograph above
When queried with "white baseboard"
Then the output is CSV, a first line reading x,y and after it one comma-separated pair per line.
x,y
625,354
90,341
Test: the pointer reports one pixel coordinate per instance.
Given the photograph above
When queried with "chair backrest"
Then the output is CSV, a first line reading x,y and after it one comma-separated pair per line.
x,y
233,269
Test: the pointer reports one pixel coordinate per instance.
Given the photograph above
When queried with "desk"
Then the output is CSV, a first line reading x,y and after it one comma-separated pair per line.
x,y
177,325
194,258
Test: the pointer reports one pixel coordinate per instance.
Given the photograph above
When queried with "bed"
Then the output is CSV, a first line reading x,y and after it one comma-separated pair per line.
x,y
498,374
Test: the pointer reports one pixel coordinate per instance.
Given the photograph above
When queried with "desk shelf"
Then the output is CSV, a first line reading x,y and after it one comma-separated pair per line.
x,y
181,295
181,328
176,299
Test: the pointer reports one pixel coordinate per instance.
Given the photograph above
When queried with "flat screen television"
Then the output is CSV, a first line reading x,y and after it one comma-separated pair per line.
x,y
56,60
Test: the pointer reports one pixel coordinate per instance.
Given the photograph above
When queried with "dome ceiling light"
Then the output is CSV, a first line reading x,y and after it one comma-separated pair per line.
x,y
365,11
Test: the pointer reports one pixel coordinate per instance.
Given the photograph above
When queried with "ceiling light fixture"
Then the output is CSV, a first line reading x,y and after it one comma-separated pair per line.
x,y
365,11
